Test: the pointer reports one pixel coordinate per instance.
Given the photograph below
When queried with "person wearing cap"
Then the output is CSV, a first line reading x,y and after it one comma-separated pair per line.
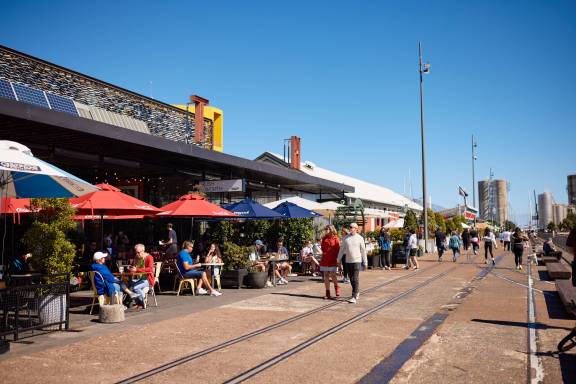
x,y
111,284
259,251
354,250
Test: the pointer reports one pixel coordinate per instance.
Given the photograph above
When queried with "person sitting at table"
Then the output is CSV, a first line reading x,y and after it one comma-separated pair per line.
x,y
549,249
308,259
192,270
143,263
111,285
259,251
19,265
283,268
213,256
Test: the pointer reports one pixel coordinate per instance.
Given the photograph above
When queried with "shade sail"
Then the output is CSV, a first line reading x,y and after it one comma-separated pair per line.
x,y
395,224
193,205
293,211
23,175
249,209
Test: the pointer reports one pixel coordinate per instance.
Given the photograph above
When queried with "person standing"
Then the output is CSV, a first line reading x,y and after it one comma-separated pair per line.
x,y
344,266
329,262
519,243
489,244
474,240
506,235
455,244
412,250
384,242
171,242
440,238
465,239
354,250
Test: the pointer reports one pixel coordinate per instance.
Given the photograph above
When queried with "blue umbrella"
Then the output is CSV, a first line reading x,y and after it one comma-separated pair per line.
x,y
249,209
23,175
292,211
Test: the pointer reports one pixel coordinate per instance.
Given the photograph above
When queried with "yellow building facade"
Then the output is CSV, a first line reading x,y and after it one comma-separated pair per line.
x,y
217,117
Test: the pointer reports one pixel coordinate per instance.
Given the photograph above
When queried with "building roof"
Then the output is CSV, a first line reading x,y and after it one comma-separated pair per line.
x,y
304,203
363,190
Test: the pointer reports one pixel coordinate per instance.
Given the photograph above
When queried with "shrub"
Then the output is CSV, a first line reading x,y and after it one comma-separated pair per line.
x,y
235,256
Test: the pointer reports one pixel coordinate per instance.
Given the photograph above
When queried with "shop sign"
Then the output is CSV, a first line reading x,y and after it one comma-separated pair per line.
x,y
221,186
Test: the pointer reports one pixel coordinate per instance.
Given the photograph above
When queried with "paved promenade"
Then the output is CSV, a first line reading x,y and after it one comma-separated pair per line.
x,y
446,323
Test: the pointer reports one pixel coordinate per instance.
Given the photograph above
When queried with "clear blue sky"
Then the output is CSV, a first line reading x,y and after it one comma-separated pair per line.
x,y
343,76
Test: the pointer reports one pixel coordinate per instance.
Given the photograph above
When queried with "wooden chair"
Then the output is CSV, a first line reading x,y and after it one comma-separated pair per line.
x,y
102,299
157,268
184,281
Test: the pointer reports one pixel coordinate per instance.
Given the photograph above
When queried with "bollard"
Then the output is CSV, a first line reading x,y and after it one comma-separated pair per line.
x,y
112,313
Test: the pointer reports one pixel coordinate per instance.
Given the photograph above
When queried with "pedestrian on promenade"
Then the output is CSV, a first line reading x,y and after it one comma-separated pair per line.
x,y
465,239
440,238
489,244
519,241
455,244
353,253
329,262
384,242
506,235
412,250
474,240
344,267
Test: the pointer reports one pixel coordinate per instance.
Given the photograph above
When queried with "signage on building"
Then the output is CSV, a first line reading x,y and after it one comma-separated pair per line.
x,y
220,186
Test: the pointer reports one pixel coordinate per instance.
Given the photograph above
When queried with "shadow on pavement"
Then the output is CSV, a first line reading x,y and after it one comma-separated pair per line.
x,y
538,326
554,306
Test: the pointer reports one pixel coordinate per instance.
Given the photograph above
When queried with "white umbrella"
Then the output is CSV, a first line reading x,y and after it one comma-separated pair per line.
x,y
395,224
23,175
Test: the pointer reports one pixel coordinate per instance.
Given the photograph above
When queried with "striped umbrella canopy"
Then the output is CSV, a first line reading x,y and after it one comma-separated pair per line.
x,y
23,175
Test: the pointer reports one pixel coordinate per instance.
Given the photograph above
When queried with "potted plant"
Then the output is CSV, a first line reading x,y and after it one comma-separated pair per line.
x,y
52,253
256,278
236,261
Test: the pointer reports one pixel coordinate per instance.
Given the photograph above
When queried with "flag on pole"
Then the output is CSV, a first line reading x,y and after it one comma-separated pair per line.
x,y
462,192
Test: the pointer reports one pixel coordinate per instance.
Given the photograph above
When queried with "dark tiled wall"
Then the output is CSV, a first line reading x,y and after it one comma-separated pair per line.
x,y
168,122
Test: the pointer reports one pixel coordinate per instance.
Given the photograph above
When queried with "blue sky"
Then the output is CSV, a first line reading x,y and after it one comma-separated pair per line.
x,y
343,76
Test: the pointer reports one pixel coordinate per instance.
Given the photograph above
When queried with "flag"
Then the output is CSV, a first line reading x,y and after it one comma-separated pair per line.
x,y
462,192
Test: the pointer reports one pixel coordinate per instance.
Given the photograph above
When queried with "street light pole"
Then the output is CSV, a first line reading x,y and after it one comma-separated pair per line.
x,y
474,145
424,192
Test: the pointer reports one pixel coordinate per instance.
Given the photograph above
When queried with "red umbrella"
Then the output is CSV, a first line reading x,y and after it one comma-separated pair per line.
x,y
110,201
192,205
14,206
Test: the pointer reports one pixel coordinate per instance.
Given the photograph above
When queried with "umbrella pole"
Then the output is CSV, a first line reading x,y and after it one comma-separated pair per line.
x,y
101,231
191,228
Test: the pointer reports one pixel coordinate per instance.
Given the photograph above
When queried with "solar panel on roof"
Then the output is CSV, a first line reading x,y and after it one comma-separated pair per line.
x,y
62,104
30,95
6,90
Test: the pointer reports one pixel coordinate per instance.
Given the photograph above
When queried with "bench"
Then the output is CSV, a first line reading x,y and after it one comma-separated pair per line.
x,y
567,293
549,260
558,271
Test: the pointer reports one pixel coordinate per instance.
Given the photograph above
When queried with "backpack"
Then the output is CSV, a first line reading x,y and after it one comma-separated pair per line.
x,y
454,242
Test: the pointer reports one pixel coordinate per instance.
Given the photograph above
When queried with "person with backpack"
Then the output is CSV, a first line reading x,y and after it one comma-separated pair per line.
x,y
455,244
440,238
465,239
384,243
518,244
489,243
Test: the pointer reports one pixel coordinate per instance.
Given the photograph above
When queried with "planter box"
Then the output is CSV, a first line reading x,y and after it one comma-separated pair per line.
x,y
256,279
374,261
233,278
52,309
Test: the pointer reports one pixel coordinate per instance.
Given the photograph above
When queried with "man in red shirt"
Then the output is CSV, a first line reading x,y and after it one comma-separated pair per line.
x,y
144,263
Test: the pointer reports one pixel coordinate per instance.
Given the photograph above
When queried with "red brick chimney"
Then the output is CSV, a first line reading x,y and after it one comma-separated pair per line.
x,y
295,152
199,103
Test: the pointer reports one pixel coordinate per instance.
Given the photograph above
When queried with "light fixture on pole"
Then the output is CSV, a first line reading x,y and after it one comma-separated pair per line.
x,y
424,69
474,158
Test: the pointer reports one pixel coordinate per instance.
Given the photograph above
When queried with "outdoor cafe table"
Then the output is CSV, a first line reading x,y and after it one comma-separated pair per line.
x,y
273,259
212,265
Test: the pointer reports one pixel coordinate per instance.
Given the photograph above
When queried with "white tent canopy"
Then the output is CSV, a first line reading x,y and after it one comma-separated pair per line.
x,y
395,224
305,203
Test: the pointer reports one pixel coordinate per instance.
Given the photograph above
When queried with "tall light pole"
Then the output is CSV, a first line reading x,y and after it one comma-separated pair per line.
x,y
424,69
474,145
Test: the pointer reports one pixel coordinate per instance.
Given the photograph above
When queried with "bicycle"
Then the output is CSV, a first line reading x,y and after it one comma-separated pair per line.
x,y
568,342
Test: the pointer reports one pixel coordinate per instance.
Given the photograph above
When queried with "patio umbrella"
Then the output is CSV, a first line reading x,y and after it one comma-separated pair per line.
x,y
194,206
249,209
110,201
23,175
293,211
15,207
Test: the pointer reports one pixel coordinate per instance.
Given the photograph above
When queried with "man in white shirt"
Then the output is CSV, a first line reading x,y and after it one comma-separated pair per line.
x,y
354,247
506,239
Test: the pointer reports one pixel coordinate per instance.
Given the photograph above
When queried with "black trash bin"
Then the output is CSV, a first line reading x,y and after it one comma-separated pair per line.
x,y
398,256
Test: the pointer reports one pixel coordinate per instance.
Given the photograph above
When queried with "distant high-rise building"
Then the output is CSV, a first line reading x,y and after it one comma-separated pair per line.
x,y
545,210
559,213
572,189
493,200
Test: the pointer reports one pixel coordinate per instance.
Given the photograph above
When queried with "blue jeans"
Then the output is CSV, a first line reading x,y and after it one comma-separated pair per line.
x,y
407,252
138,288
